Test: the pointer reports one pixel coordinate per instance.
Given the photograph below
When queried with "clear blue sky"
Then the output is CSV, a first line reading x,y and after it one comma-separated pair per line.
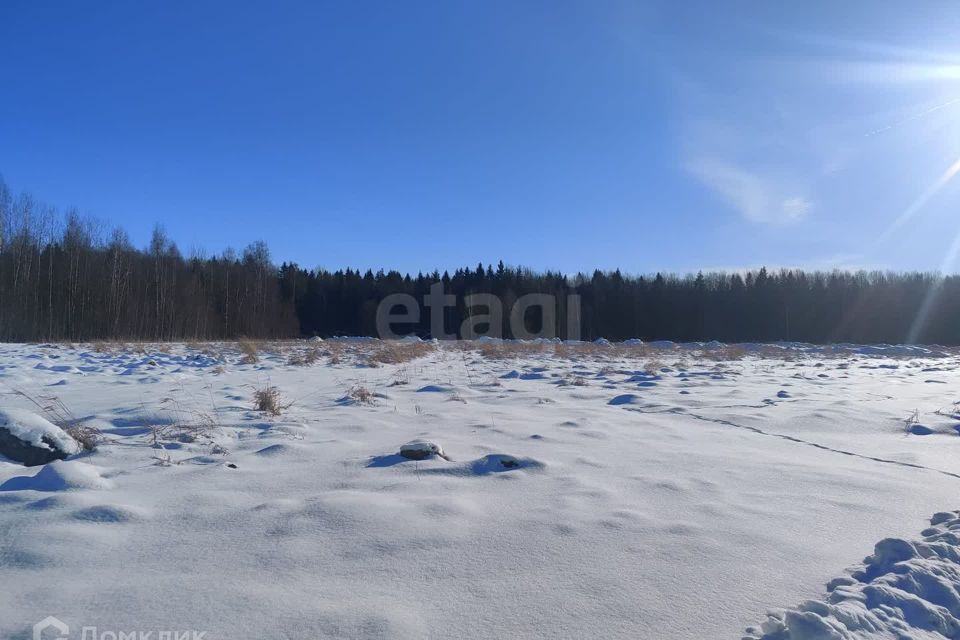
x,y
564,135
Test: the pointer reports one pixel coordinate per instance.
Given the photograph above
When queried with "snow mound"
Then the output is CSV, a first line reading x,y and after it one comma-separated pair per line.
x,y
274,450
492,464
59,476
905,590
106,513
434,388
643,377
498,462
36,431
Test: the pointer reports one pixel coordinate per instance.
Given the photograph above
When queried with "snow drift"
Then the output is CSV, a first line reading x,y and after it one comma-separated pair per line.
x,y
905,591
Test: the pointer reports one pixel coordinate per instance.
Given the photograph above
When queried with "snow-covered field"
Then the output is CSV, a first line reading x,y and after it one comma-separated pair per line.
x,y
608,491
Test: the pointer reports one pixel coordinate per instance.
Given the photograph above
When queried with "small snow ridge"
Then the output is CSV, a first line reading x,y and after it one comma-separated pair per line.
x,y
433,388
532,375
904,590
626,398
643,377
274,450
59,476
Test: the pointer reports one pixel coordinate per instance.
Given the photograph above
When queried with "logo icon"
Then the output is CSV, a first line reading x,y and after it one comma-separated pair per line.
x,y
63,630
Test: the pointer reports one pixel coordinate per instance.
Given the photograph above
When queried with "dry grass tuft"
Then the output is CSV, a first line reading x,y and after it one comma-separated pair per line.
x,y
360,394
653,367
396,352
107,348
400,377
56,412
305,357
497,350
911,421
726,353
268,400
88,437
249,351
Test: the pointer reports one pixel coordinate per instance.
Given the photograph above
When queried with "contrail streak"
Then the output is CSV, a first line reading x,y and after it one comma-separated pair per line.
x,y
911,118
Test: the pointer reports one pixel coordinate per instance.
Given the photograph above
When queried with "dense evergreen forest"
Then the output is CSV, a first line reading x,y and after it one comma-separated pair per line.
x,y
63,277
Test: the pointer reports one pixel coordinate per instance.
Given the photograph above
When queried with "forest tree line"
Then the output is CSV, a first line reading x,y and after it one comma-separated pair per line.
x,y
63,277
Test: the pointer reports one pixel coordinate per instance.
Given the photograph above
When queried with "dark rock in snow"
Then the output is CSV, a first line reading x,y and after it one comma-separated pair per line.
x,y
31,440
421,450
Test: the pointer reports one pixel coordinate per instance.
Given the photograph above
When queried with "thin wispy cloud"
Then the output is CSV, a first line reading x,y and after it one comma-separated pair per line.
x,y
756,197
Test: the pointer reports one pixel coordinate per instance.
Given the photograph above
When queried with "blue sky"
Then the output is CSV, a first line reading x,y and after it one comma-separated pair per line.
x,y
566,135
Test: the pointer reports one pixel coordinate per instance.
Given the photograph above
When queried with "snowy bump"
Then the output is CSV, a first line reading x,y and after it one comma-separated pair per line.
x,y
59,476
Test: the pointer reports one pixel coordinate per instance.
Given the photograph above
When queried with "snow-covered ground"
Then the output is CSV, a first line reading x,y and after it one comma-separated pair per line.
x,y
608,491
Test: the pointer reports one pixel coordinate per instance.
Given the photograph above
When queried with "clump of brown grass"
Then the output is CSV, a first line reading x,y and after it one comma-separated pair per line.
x,y
576,351
336,351
269,400
202,426
186,424
397,352
88,437
106,348
726,353
360,394
496,350
653,367
249,350
305,357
